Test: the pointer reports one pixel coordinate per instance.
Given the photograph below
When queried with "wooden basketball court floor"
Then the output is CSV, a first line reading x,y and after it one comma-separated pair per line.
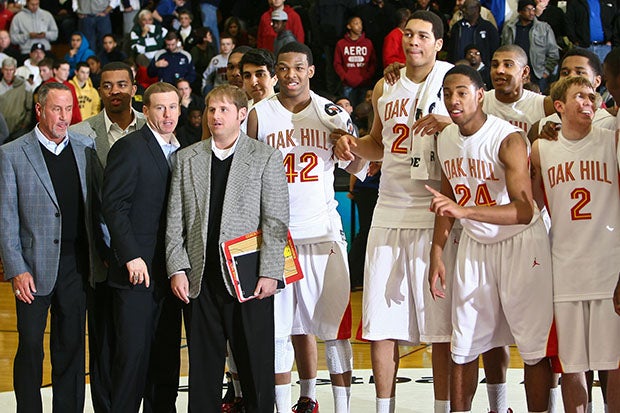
x,y
416,361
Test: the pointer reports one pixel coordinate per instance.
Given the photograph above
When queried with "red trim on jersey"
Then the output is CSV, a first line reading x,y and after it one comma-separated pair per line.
x,y
552,349
344,331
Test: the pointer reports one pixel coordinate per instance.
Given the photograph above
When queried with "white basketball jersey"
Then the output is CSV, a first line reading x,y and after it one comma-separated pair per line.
x,y
403,202
523,113
583,198
309,167
477,176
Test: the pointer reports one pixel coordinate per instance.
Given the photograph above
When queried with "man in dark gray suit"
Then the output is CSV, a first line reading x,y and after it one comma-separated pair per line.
x,y
116,120
135,192
222,188
49,199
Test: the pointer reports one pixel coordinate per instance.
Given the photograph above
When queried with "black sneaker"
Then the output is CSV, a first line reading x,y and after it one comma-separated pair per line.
x,y
306,405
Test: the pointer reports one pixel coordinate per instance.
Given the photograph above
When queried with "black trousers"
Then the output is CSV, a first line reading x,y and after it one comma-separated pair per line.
x,y
146,362
365,201
67,304
214,317
101,345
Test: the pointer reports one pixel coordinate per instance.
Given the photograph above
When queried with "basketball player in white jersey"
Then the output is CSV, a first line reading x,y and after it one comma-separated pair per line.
x,y
397,305
502,282
576,178
298,122
576,62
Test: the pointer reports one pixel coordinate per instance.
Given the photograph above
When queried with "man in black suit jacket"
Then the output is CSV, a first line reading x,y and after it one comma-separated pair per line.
x,y
135,192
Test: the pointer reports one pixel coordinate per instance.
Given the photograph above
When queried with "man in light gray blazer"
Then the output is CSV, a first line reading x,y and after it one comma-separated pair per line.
x,y
222,188
116,120
48,247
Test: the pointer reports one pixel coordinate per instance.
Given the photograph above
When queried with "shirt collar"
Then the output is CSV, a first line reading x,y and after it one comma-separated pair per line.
x,y
54,148
108,122
222,154
166,147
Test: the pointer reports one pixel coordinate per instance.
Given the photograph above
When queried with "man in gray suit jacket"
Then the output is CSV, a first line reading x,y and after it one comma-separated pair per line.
x,y
48,224
223,188
116,120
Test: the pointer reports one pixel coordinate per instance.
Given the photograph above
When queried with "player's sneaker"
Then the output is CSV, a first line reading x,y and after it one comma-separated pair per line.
x,y
306,405
236,406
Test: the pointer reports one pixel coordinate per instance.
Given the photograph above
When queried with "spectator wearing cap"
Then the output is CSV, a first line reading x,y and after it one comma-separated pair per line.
x,y
536,38
266,33
15,100
472,29
30,70
173,63
33,25
279,18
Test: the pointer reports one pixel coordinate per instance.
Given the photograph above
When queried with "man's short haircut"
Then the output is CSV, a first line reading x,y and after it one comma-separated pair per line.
x,y
226,35
59,62
172,35
241,49
183,80
259,57
45,89
187,12
296,47
517,50
231,93
560,88
159,87
46,62
593,61
432,18
93,57
114,66
109,35
9,62
468,71
612,61
353,16
81,65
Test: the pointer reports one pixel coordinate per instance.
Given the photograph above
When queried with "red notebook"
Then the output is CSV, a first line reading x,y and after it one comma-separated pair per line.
x,y
242,261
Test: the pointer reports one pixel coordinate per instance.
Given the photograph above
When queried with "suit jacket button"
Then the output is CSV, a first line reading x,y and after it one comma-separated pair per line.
x,y
56,241
57,214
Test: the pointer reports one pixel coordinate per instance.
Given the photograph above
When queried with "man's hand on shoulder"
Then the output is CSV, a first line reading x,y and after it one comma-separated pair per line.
x,y
391,73
431,124
23,287
265,287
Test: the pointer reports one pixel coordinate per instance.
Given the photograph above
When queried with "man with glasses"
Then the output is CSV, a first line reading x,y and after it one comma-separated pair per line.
x,y
472,29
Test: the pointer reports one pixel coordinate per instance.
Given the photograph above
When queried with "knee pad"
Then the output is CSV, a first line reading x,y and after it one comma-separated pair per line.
x,y
339,356
463,359
284,355
531,362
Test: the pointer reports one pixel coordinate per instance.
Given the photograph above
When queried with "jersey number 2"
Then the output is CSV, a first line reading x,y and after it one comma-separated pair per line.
x,y
583,197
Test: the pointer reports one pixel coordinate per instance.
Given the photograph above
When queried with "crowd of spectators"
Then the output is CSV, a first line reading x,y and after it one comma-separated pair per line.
x,y
352,40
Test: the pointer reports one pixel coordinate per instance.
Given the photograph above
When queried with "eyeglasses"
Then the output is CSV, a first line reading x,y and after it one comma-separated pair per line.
x,y
472,53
